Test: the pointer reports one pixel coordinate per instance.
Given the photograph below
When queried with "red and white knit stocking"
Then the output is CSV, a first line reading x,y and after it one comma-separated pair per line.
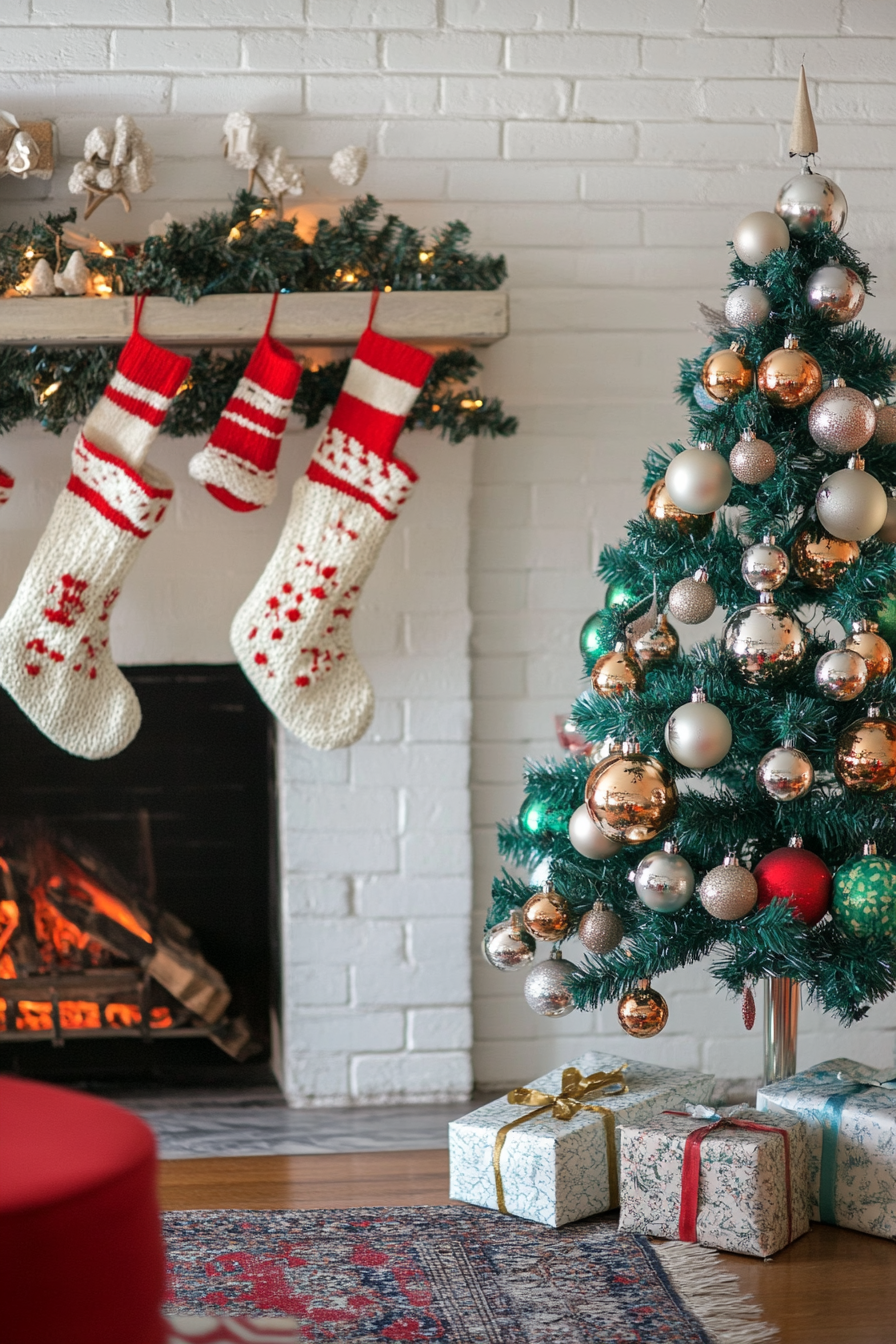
x,y
292,634
55,659
238,464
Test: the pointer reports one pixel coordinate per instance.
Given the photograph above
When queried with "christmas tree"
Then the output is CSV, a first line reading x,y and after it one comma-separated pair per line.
x,y
738,800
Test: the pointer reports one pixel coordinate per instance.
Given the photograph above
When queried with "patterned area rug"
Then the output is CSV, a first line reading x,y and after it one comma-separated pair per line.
x,y
456,1275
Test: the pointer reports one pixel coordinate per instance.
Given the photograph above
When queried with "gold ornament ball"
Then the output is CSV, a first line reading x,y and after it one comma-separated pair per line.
x,y
600,929
752,460
764,642
692,600
631,797
841,674
727,374
657,646
617,672
643,1012
729,891
662,509
865,758
785,773
820,559
547,916
867,641
789,377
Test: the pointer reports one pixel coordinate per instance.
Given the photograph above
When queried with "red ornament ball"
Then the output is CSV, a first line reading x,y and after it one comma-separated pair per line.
x,y
798,876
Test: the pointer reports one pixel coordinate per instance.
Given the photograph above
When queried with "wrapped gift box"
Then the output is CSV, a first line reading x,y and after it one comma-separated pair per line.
x,y
850,1116
728,1188
555,1171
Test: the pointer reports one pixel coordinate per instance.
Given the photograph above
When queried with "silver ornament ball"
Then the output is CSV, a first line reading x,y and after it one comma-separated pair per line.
x,y
692,600
785,773
588,839
836,291
809,200
728,892
600,929
759,234
764,642
851,504
841,674
884,435
747,306
765,566
664,880
508,945
547,989
842,419
698,480
698,734
888,531
752,460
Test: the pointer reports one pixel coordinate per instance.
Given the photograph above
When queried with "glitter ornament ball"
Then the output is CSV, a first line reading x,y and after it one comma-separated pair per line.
x,y
865,756
661,508
842,419
851,504
785,773
588,839
698,734
598,634
547,989
865,895
729,891
507,945
546,915
617,672
797,876
657,646
836,291
866,640
727,374
841,674
664,880
693,600
752,460
809,200
820,559
789,377
699,479
764,642
884,435
759,234
600,930
887,533
631,797
747,306
643,1012
764,565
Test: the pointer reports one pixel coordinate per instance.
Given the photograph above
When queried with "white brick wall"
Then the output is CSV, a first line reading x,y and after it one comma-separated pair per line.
x,y
608,150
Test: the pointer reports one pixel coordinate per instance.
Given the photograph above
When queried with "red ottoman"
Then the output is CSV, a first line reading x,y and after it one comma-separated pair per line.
x,y
80,1239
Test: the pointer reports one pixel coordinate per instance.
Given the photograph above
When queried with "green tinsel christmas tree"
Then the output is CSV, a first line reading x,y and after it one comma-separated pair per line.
x,y
729,801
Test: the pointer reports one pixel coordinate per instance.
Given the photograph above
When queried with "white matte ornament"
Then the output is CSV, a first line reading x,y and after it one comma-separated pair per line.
x,y
747,306
851,504
758,235
842,419
547,990
888,531
809,200
698,480
664,880
588,839
836,291
698,734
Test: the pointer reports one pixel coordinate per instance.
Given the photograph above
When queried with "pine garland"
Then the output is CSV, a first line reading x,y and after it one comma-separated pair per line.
x,y
241,251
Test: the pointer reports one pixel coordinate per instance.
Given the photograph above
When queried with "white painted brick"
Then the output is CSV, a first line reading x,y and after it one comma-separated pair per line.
x,y
418,676
641,99
410,765
490,591
305,51
856,102
344,942
440,1029
443,53
846,58
508,16
440,139
869,17
695,58
361,851
372,13
446,853
329,897
337,809
551,226
103,13
438,721
401,896
59,49
347,1032
440,633
495,763
859,146
495,677
739,1058
180,49
568,140
15,12
397,95
232,13
388,722
526,548
606,16
436,1075
748,99
700,141
316,1079
429,982
505,96
263,93
573,55
318,986
769,16
299,764
437,809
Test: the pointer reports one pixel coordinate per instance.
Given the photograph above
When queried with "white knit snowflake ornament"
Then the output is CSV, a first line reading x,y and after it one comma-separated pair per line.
x,y
292,634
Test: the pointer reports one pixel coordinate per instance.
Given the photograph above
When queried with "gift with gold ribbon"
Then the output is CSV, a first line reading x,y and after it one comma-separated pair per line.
x,y
557,1161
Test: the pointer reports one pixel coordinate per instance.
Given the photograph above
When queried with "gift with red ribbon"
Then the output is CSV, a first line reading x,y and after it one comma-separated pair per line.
x,y
736,1181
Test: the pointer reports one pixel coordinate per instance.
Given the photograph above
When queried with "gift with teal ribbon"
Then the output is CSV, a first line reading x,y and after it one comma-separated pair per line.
x,y
850,1113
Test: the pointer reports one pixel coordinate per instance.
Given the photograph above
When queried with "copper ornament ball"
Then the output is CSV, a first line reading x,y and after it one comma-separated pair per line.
x,y
631,797
657,646
643,1012
789,377
752,460
547,916
617,672
727,374
865,639
820,559
842,419
661,508
865,758
600,929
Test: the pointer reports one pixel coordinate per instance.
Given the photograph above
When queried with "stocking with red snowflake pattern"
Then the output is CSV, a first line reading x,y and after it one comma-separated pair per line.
x,y
292,634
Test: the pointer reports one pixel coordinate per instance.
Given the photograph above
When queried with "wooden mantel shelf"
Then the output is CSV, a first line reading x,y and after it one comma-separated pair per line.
x,y
471,317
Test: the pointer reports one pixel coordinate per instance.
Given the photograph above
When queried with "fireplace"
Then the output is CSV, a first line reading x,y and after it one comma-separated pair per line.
x,y
138,937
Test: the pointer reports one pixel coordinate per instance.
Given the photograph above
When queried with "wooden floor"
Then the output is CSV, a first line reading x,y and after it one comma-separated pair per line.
x,y
830,1287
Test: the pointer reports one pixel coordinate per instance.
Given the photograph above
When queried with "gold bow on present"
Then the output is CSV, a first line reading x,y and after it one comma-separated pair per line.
x,y
563,1106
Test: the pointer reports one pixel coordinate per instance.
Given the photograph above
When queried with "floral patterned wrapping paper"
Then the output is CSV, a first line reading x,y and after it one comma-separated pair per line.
x,y
555,1171
742,1202
862,1185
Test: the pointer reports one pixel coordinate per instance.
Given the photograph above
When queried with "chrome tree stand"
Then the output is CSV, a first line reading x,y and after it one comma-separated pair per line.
x,y
782,1007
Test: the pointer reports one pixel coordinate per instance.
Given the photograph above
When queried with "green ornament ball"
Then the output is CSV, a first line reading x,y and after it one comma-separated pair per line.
x,y
886,618
538,819
598,635
865,896
620,597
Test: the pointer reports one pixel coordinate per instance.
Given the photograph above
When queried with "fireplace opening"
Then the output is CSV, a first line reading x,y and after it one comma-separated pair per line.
x,y
138,931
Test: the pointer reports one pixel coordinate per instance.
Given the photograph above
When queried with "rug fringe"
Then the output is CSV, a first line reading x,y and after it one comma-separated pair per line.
x,y
713,1295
